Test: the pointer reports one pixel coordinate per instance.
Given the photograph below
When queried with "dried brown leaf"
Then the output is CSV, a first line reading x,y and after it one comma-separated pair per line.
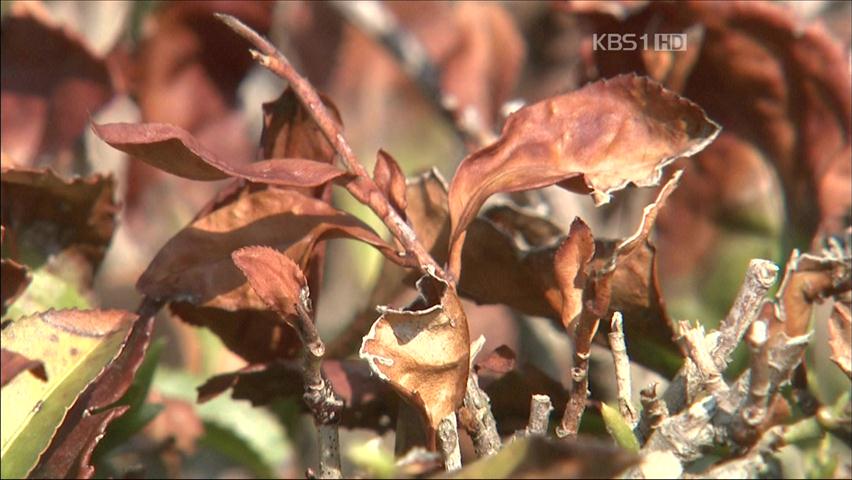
x,y
808,279
570,269
46,215
391,181
14,363
176,151
423,352
597,139
840,337
195,266
276,279
51,83
369,402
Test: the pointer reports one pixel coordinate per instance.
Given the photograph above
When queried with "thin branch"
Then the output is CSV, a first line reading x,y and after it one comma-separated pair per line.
x,y
654,412
448,442
622,370
759,277
320,397
686,433
754,411
363,188
478,420
540,408
576,405
377,22
693,339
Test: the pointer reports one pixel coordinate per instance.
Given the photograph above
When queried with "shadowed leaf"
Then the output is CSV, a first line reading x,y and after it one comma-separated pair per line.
x,y
15,363
195,266
541,457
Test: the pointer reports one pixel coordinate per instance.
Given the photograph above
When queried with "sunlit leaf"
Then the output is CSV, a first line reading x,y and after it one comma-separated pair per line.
x,y
74,346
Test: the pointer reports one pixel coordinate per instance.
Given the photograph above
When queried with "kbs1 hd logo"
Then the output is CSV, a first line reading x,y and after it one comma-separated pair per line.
x,y
628,42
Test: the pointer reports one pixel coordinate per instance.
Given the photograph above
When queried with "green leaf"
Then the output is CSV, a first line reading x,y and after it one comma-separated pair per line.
x,y
618,427
47,290
256,429
74,346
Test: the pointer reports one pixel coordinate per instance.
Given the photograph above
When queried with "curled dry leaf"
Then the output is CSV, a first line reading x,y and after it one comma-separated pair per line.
x,y
391,181
570,269
176,151
840,337
423,352
595,140
14,363
808,279
75,346
794,113
369,402
50,85
47,215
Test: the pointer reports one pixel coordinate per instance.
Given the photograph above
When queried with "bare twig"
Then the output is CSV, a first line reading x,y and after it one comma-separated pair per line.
x,y
320,397
758,392
693,339
478,419
760,276
540,408
654,412
622,370
363,188
576,405
375,20
686,433
448,442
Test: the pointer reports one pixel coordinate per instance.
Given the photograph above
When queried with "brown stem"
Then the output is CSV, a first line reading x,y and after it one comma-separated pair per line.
x,y
576,405
363,188
476,417
654,412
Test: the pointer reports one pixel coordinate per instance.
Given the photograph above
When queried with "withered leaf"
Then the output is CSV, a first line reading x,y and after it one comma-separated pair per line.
x,y
369,402
195,266
570,269
595,140
50,87
176,151
15,278
391,181
276,279
45,215
14,363
423,352
808,279
840,337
